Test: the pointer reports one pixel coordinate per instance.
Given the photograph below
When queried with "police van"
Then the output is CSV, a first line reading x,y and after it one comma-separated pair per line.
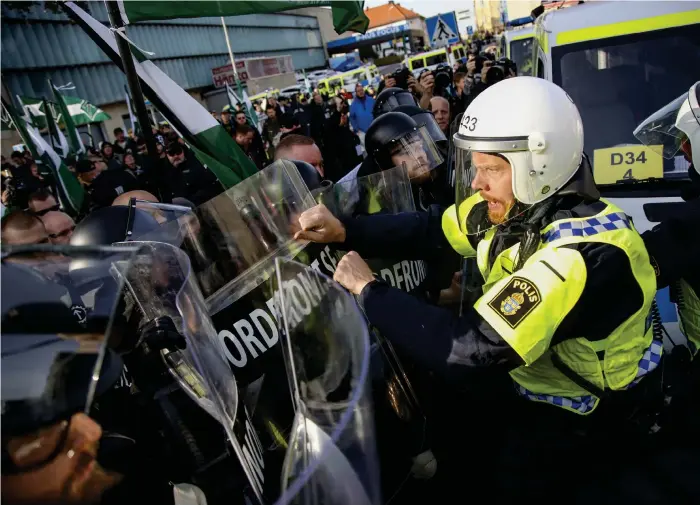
x,y
416,63
516,45
620,63
364,75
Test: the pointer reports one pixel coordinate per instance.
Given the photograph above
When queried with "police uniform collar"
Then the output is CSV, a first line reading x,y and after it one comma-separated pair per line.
x,y
582,183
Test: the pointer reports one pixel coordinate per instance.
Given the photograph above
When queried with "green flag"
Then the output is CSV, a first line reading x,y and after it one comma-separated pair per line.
x,y
76,143
69,190
185,115
347,14
81,111
58,140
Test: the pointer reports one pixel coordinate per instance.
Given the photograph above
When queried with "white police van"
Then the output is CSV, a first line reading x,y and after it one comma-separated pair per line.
x,y
620,62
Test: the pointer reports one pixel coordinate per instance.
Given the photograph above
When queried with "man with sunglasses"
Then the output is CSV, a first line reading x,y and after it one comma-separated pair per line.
x,y
59,226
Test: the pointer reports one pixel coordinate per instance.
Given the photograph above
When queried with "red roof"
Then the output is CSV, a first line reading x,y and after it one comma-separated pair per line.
x,y
388,13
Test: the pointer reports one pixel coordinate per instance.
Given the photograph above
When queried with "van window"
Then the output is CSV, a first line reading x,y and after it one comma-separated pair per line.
x,y
540,68
418,63
436,59
633,76
521,54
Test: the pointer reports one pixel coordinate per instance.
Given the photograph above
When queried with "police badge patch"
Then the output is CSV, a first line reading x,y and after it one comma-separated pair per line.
x,y
516,300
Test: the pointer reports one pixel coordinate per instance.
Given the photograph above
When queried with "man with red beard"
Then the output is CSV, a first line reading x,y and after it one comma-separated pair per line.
x,y
566,291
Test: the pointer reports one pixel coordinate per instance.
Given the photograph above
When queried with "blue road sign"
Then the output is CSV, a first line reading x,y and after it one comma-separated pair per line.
x,y
470,30
442,29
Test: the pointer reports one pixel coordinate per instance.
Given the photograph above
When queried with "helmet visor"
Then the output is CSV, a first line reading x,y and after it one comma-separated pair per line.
x,y
57,331
666,131
418,152
485,182
431,125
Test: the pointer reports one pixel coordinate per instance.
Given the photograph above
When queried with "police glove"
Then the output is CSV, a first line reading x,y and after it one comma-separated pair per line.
x,y
318,224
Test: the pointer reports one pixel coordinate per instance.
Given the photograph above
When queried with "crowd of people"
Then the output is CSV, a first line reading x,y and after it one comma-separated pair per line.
x,y
325,130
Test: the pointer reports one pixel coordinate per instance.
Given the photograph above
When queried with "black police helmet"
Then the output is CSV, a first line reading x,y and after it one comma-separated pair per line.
x,y
308,173
390,98
383,132
45,376
425,118
109,225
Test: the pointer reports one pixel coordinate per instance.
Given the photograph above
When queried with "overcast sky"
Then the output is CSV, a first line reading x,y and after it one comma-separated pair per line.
x,y
428,8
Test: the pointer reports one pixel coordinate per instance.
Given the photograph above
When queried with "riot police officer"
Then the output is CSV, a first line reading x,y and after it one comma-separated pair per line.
x,y
673,244
57,364
391,98
674,247
566,282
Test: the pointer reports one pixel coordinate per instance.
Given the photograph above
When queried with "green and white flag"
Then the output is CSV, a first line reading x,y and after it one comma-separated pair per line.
x,y
70,192
81,111
77,147
58,140
185,115
132,117
233,99
348,15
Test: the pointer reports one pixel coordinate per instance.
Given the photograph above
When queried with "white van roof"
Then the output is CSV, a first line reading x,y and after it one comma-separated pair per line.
x,y
593,15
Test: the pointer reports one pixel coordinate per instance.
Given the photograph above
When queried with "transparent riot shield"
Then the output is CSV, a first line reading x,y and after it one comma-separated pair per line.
x,y
232,239
160,282
58,333
331,458
399,415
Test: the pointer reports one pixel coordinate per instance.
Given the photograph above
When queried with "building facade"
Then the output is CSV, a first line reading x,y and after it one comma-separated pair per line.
x,y
38,45
393,29
488,15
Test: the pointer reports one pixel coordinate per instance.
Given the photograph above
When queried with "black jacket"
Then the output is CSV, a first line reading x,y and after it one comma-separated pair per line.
x,y
109,185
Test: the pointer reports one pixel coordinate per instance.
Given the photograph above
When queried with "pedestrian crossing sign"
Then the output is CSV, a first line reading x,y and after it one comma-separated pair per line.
x,y
442,29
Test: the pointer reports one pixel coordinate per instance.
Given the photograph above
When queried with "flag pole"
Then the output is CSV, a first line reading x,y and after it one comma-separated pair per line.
x,y
132,80
239,86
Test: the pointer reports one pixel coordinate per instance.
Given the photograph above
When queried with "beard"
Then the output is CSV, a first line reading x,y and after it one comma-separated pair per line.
x,y
498,211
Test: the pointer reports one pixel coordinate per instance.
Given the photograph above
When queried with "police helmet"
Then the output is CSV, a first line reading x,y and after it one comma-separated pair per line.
x,y
390,98
424,118
110,225
55,357
394,139
309,174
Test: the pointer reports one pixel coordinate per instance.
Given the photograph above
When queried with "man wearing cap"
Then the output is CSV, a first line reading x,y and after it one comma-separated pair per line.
x,y
103,185
226,120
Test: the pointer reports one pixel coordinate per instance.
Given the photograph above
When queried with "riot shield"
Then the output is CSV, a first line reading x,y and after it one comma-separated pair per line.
x,y
58,310
400,417
331,458
160,282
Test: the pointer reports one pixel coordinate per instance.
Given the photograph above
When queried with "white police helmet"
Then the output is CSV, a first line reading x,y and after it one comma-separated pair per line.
x,y
675,127
530,122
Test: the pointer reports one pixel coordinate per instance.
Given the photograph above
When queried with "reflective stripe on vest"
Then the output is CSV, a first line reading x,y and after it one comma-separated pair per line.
x,y
587,227
527,319
584,404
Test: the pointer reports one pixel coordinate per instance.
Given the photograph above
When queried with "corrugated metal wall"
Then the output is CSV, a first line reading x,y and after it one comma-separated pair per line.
x,y
40,44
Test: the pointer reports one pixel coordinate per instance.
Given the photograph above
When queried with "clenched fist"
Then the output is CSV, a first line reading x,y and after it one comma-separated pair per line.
x,y
318,224
353,273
